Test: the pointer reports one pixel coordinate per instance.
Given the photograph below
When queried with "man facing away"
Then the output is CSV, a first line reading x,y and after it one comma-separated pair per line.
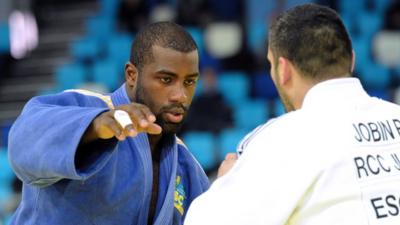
x,y
81,163
333,159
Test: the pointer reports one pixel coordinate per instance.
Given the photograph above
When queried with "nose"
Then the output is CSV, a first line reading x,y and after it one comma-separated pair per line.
x,y
178,94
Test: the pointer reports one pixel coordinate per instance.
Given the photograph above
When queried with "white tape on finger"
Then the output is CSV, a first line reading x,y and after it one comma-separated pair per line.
x,y
123,118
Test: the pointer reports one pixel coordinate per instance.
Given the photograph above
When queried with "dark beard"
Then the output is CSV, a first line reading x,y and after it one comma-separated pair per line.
x,y
167,127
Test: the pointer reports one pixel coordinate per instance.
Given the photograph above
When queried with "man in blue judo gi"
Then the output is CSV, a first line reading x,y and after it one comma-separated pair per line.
x,y
89,159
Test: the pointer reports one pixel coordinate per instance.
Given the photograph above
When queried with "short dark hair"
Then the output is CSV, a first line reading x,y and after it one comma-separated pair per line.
x,y
314,39
163,34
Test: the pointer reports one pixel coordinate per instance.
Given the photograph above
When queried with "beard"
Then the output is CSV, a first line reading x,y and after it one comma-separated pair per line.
x,y
168,128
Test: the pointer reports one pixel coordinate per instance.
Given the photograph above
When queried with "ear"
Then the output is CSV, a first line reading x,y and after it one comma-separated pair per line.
x,y
353,61
131,74
285,70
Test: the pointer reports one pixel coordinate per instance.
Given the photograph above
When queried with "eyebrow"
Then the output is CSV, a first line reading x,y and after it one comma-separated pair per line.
x,y
167,72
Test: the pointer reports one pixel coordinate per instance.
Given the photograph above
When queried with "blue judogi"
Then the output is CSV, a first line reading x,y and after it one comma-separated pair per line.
x,y
112,183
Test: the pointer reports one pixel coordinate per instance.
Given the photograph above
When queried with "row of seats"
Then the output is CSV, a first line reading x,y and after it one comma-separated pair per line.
x,y
234,86
107,51
102,40
376,6
210,149
74,75
109,72
116,51
364,20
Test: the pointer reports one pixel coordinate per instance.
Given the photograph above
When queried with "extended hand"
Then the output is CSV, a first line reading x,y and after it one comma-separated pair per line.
x,y
106,126
227,164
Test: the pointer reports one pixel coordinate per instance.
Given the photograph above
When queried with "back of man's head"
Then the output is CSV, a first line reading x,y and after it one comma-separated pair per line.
x,y
163,34
314,39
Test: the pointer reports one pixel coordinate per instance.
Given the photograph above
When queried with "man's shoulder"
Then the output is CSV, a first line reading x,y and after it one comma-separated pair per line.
x,y
184,154
89,96
80,98
386,104
289,119
289,124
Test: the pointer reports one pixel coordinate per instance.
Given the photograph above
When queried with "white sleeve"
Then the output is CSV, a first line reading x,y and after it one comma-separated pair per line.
x,y
263,187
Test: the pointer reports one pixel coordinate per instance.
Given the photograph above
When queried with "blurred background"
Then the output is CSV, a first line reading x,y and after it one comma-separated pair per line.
x,y
47,46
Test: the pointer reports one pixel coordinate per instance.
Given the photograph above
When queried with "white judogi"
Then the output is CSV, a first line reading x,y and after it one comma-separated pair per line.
x,y
334,161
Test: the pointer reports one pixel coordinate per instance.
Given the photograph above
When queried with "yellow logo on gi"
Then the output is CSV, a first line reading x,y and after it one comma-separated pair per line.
x,y
179,195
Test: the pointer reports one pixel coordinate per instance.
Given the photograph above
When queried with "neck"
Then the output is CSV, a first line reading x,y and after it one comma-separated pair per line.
x,y
154,141
157,141
299,98
302,85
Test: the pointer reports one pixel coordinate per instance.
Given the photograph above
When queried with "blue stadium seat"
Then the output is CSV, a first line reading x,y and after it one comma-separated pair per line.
x,y
206,60
379,6
202,146
234,86
199,87
100,27
109,8
362,49
105,72
349,23
119,49
375,76
346,6
4,38
249,115
257,35
256,10
85,49
6,176
228,141
70,76
264,86
198,37
292,3
369,23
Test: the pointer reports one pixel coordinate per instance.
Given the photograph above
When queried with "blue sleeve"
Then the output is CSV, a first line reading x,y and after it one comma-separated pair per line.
x,y
44,139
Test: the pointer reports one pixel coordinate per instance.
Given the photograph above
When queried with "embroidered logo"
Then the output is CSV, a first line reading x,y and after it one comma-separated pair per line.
x,y
179,195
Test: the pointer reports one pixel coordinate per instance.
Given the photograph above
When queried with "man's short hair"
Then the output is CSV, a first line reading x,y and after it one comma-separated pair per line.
x,y
163,34
314,39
